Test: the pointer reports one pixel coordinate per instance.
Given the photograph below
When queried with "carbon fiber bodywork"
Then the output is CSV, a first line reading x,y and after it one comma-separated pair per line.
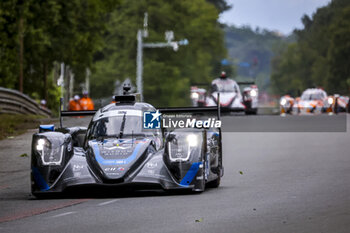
x,y
67,157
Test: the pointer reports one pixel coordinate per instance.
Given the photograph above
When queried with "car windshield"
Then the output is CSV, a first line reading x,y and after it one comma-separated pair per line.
x,y
313,96
117,126
224,88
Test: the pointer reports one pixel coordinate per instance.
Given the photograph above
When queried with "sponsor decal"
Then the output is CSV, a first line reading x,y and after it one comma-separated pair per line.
x,y
110,169
152,165
77,167
114,169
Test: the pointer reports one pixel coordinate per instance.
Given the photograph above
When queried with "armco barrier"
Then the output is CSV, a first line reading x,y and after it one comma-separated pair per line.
x,y
12,101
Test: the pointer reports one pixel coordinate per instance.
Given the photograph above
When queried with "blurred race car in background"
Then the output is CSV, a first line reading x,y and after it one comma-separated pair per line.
x,y
230,95
250,97
198,96
314,100
231,98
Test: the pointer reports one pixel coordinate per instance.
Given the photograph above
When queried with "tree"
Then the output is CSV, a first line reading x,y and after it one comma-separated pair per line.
x,y
221,5
167,74
50,31
322,52
339,53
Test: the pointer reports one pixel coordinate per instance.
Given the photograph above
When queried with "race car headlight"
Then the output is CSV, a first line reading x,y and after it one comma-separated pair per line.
x,y
40,144
194,95
180,147
253,93
330,101
192,140
50,153
283,102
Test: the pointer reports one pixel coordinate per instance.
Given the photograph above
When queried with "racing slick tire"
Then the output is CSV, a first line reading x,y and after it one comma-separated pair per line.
x,y
41,196
200,186
252,111
215,183
220,172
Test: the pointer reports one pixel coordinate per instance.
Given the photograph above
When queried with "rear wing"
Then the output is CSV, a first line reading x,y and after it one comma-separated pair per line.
x,y
63,113
214,109
126,98
246,83
200,84
208,84
78,113
188,109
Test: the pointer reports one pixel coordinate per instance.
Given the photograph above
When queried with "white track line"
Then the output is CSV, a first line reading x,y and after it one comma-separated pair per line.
x,y
63,214
107,202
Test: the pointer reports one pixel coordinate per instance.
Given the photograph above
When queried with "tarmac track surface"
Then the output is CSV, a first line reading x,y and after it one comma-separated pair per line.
x,y
276,180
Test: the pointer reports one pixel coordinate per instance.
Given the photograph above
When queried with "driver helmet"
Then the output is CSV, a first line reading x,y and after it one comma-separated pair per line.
x,y
223,75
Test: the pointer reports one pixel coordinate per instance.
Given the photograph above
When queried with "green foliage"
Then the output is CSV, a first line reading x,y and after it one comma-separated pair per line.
x,y
15,124
321,55
101,35
167,74
339,52
53,30
54,94
221,5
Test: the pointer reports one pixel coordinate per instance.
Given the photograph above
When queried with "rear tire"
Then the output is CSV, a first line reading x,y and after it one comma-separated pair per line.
x,y
251,111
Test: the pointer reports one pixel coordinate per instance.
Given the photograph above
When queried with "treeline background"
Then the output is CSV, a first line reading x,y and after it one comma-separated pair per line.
x,y
37,35
320,56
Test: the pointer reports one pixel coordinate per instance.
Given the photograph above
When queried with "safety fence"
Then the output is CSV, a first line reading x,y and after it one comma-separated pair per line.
x,y
12,101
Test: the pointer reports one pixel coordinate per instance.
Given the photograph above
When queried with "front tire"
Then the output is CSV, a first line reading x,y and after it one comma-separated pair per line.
x,y
215,183
252,111
200,185
220,169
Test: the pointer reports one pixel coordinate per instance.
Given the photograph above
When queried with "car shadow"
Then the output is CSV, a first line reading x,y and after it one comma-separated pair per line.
x,y
112,192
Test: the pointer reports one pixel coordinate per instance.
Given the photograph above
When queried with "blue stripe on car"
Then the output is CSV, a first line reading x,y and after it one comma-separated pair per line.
x,y
191,173
39,179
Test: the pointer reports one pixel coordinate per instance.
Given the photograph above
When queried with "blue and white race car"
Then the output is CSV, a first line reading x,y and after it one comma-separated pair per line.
x,y
116,151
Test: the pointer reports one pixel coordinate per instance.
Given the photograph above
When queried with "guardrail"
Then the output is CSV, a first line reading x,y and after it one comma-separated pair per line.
x,y
12,101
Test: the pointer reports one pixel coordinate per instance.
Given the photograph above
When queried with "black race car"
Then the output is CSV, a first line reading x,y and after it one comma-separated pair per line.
x,y
115,150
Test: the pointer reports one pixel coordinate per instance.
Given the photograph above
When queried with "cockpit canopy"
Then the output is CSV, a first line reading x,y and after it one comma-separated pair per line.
x,y
313,94
120,122
117,126
227,85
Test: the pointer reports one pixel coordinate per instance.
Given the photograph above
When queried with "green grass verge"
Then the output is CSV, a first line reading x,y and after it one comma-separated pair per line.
x,y
12,125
